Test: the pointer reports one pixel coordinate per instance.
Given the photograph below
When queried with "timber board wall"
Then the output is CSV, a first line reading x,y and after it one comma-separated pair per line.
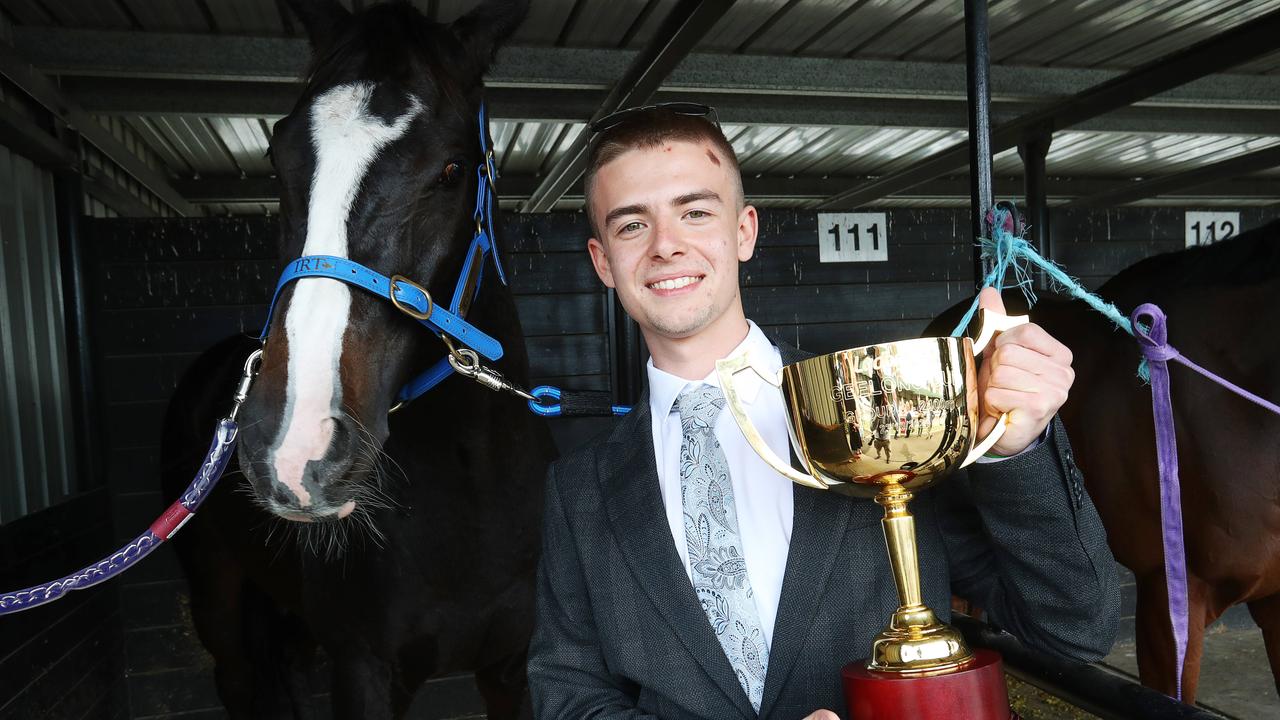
x,y
165,290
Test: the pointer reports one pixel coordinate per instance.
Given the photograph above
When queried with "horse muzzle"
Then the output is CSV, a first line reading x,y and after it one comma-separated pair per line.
x,y
315,478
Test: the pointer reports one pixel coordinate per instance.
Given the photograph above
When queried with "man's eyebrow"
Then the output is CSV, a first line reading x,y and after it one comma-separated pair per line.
x,y
695,196
614,214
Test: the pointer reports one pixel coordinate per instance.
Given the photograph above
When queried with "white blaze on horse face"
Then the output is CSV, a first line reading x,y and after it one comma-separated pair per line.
x,y
346,139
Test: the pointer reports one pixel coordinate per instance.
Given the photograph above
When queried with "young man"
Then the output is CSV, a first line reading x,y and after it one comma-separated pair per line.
x,y
683,578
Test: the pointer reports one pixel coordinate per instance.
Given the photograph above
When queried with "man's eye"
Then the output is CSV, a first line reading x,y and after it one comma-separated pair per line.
x,y
696,214
630,227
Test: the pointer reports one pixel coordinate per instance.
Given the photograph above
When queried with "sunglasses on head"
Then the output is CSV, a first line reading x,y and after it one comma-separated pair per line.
x,y
614,119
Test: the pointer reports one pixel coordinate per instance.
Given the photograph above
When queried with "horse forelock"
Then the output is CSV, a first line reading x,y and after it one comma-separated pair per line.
x,y
395,41
346,137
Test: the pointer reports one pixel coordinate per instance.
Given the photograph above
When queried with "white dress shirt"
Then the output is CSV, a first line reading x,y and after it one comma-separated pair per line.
x,y
762,497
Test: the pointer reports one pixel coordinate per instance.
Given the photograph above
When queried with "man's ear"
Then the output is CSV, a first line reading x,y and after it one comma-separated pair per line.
x,y
748,226
600,261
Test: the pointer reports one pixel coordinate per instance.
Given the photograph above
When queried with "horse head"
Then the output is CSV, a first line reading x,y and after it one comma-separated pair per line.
x,y
377,164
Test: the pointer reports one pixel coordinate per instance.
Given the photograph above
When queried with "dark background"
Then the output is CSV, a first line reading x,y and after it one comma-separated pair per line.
x,y
162,290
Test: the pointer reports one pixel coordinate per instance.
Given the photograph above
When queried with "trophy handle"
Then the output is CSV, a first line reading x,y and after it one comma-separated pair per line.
x,y
987,442
993,324
726,369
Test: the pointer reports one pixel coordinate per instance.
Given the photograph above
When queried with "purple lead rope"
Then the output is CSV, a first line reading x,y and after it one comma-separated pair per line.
x,y
162,529
1155,348
1152,334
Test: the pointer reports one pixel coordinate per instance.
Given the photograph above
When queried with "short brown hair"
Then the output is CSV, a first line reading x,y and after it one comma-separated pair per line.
x,y
650,129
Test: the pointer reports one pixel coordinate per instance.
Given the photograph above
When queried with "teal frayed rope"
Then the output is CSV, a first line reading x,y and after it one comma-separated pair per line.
x,y
1007,250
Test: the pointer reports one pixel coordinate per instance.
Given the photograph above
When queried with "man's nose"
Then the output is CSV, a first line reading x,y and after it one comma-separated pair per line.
x,y
666,242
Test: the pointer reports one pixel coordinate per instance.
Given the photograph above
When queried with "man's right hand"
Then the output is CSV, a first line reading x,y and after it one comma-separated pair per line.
x,y
823,715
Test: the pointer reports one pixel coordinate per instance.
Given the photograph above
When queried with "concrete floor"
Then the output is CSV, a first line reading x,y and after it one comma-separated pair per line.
x,y
1235,678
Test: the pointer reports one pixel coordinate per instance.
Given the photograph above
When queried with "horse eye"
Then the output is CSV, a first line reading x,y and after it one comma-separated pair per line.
x,y
451,174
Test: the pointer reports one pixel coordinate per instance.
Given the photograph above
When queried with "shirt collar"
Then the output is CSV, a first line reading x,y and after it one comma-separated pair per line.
x,y
665,388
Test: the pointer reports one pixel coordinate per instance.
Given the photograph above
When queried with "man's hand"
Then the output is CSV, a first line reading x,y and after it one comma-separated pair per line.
x,y
1026,373
822,715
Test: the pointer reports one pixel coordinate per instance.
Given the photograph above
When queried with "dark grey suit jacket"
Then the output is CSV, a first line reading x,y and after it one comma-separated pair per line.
x,y
620,633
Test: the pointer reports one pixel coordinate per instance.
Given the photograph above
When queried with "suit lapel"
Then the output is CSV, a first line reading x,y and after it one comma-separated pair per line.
x,y
629,476
820,521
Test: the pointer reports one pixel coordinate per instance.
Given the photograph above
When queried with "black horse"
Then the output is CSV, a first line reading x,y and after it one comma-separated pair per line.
x,y
404,545
1222,302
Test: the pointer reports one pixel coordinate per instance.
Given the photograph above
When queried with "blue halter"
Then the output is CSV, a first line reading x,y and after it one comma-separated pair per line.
x,y
411,298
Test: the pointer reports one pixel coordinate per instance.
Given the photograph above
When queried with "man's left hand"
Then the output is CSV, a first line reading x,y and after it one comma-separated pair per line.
x,y
1025,372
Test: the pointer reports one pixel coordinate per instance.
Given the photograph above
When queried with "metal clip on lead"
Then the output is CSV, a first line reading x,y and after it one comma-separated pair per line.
x,y
251,365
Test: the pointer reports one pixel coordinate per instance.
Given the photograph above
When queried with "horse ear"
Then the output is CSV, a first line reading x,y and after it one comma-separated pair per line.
x,y
321,19
488,25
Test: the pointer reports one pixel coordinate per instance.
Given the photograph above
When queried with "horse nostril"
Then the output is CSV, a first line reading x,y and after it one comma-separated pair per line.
x,y
340,437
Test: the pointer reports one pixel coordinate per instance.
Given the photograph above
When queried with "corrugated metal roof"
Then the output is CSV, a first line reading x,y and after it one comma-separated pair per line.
x,y
1101,34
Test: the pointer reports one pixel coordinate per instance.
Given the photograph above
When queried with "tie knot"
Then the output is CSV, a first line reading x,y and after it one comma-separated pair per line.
x,y
699,407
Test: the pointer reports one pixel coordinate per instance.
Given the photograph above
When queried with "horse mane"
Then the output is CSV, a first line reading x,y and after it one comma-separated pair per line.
x,y
386,39
1249,258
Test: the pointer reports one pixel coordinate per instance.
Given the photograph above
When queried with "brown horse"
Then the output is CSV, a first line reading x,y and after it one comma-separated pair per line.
x,y
1222,302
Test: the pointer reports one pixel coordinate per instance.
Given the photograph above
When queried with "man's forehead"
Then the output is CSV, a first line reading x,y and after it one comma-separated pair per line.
x,y
667,147
667,160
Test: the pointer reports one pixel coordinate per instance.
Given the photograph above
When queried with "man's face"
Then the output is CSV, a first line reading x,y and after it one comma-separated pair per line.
x,y
671,235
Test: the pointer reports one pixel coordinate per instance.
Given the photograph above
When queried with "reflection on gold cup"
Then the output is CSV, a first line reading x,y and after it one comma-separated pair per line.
x,y
884,421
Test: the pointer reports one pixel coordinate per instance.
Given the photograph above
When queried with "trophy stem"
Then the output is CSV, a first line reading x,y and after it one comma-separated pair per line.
x,y
900,539
915,642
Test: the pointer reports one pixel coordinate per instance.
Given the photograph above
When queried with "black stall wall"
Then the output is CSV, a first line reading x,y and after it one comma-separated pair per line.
x,y
164,290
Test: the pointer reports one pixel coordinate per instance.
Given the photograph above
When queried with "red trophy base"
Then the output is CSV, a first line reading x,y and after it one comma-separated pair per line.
x,y
976,692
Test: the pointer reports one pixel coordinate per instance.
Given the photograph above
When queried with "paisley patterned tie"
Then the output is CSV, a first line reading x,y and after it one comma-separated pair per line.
x,y
715,545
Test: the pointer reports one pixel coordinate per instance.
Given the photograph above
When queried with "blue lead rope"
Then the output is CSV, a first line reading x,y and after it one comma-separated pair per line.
x,y
579,403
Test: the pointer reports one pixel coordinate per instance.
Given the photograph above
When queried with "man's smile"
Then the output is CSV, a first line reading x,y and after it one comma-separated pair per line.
x,y
672,285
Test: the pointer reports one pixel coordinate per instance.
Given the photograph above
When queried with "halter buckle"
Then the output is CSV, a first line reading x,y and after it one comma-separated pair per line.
x,y
409,310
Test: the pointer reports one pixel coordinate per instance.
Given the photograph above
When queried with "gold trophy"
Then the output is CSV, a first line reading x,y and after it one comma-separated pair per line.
x,y
884,421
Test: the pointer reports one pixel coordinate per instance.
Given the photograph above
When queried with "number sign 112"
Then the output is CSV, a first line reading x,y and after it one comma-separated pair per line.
x,y
1206,228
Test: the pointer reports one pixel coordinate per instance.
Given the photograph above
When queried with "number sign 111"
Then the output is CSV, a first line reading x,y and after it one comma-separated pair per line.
x,y
853,237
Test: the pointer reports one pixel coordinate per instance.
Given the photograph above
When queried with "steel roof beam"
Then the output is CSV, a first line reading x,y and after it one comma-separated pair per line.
x,y
105,53
519,187
1184,181
28,138
126,96
683,27
1213,55
44,92
110,193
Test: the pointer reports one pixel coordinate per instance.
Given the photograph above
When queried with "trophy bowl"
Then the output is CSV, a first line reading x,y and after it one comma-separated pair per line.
x,y
902,412
884,421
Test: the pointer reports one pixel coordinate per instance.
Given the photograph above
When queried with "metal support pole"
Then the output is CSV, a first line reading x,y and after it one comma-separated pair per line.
x,y
68,188
1033,150
978,63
